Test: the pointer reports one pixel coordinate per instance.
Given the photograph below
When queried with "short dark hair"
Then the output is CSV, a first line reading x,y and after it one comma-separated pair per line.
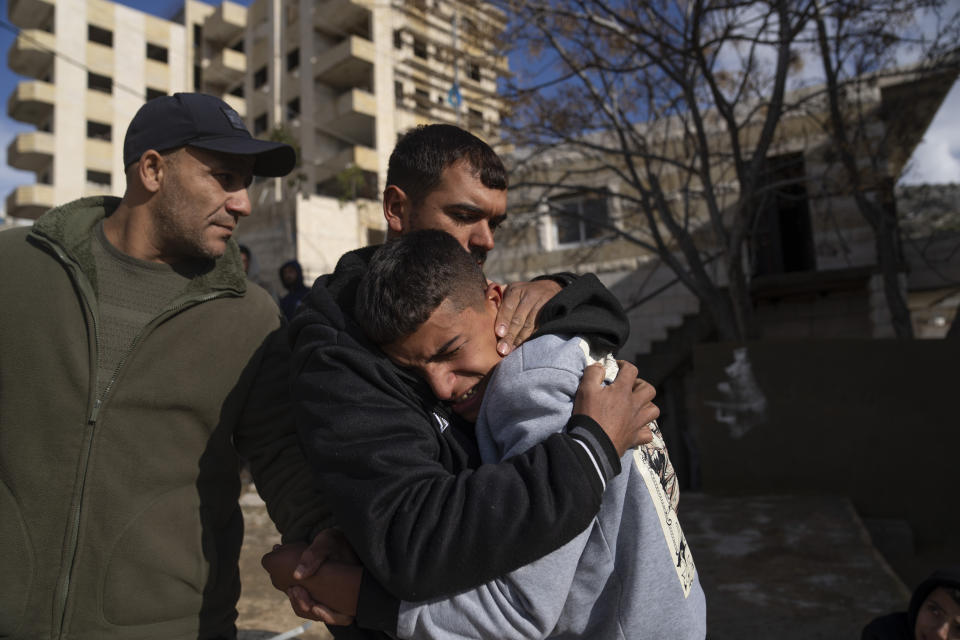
x,y
409,277
422,154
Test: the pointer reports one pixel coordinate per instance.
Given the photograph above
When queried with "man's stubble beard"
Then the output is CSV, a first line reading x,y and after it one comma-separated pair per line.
x,y
173,216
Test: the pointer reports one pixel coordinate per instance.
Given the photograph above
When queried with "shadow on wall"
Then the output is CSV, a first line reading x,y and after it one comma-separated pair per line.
x,y
874,420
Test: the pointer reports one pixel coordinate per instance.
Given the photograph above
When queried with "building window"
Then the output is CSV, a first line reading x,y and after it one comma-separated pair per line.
x,y
782,238
419,48
260,124
473,72
293,59
579,220
197,34
260,77
398,92
99,35
156,52
236,91
397,39
237,46
99,83
154,93
474,119
98,177
197,77
293,109
422,97
99,131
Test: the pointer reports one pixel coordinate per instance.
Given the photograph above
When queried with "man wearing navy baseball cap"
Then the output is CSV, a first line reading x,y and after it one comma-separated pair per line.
x,y
136,363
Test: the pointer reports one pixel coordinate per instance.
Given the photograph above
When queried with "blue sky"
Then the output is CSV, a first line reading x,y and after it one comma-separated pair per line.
x,y
936,160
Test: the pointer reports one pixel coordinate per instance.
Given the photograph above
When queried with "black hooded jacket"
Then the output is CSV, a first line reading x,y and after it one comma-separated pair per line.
x,y
402,473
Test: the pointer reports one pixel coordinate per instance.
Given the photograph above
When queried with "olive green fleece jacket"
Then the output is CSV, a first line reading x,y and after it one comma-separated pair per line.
x,y
120,519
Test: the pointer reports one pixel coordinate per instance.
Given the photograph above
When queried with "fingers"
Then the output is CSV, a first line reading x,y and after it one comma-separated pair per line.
x,y
645,435
329,616
626,375
593,375
517,316
303,605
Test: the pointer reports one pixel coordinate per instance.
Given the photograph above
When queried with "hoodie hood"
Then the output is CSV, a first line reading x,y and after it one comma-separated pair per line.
x,y
948,577
299,283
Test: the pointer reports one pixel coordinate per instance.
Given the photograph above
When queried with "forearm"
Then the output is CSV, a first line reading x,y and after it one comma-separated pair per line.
x,y
522,605
266,437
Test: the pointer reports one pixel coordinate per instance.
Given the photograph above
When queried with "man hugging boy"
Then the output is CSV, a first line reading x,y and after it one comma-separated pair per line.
x,y
629,574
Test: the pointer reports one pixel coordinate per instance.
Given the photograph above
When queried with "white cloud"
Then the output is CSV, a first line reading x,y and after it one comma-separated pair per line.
x,y
936,159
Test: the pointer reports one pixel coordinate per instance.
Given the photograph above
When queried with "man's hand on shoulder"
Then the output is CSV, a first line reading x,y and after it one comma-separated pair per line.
x,y
623,409
517,317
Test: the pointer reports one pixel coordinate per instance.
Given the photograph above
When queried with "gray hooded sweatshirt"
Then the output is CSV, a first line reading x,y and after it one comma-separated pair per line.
x,y
629,574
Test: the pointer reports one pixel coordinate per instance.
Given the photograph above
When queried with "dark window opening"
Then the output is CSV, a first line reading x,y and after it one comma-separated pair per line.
x,y
99,83
581,220
473,72
154,93
293,109
293,59
197,34
98,177
156,52
99,131
237,46
397,39
260,124
782,241
474,119
419,48
236,91
398,92
99,35
197,77
260,77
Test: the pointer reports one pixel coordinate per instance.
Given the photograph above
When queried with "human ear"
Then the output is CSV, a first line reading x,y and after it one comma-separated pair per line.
x,y
150,169
494,294
396,209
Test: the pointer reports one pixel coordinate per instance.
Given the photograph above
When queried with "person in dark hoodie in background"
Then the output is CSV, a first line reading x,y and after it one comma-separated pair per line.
x,y
291,275
934,612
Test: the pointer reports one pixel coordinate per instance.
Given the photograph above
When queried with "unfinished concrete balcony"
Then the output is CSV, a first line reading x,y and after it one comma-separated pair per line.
x,y
347,64
335,17
30,201
363,158
226,22
32,102
353,116
225,68
31,14
31,54
31,151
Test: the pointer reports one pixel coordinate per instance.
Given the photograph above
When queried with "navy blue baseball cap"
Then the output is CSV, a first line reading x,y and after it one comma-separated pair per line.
x,y
206,122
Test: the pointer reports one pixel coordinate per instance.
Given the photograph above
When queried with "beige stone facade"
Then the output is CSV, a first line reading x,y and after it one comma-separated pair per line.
x,y
340,79
812,258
